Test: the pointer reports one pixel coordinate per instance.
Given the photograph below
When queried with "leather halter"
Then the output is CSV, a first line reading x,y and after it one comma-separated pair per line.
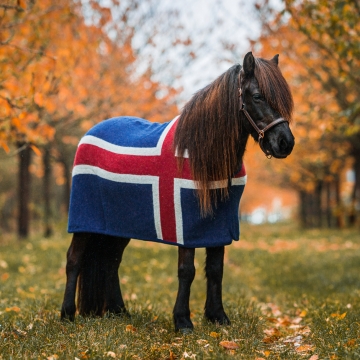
x,y
261,132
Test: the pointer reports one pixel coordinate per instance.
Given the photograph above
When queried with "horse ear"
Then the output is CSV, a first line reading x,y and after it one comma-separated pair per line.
x,y
275,59
249,64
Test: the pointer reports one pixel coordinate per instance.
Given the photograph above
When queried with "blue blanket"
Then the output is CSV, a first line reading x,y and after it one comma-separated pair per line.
x,y
126,183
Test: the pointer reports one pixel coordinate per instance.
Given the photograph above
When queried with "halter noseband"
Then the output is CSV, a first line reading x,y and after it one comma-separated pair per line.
x,y
261,132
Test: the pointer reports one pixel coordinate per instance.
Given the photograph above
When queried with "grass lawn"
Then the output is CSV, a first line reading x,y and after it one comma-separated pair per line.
x,y
290,294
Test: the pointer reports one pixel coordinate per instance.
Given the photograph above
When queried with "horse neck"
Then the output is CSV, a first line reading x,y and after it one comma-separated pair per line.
x,y
244,137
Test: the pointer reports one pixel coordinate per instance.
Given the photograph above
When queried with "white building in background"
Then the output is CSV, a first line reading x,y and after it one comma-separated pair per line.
x,y
275,213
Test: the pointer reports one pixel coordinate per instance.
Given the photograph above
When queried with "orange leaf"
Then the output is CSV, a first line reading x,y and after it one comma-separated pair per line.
x,y
338,316
4,276
351,342
14,308
230,345
5,146
214,334
21,3
36,150
172,356
130,328
314,357
304,348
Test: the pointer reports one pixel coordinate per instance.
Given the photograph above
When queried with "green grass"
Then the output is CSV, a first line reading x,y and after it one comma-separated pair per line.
x,y
290,294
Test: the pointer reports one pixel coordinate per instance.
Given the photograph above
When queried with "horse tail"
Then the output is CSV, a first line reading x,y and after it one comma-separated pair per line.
x,y
92,278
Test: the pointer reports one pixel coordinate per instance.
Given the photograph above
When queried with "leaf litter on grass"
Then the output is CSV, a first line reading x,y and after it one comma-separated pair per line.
x,y
286,330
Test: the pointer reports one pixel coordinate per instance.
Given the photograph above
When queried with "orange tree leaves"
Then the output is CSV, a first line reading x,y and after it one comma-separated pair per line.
x,y
320,122
61,73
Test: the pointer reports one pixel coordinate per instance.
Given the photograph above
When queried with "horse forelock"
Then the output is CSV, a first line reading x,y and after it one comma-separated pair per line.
x,y
274,87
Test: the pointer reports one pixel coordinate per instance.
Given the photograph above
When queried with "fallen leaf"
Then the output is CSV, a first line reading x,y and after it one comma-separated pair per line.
x,y
267,353
53,357
20,332
4,276
338,316
272,332
230,345
111,354
14,308
351,342
297,320
304,348
214,334
130,328
84,355
314,357
201,341
188,356
172,356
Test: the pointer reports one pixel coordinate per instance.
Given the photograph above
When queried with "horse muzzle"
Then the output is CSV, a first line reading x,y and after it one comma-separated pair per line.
x,y
278,142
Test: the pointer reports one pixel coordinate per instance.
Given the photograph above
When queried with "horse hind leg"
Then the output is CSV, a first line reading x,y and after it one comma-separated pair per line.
x,y
214,268
75,255
98,284
186,274
114,303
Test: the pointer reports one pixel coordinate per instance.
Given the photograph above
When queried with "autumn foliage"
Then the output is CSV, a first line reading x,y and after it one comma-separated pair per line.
x,y
318,42
67,65
63,68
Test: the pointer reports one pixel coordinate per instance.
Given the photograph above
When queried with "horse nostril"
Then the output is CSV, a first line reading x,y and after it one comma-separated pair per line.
x,y
283,144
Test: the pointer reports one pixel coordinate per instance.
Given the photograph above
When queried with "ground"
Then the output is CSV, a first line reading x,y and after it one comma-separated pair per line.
x,y
290,294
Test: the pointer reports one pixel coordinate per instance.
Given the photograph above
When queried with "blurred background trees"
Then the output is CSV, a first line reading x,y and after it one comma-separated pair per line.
x,y
65,66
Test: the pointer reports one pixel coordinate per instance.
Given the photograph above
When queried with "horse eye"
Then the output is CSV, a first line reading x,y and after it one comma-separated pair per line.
x,y
257,97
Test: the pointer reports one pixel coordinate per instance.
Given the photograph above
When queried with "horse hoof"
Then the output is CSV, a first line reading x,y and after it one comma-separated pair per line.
x,y
123,313
67,317
185,331
220,320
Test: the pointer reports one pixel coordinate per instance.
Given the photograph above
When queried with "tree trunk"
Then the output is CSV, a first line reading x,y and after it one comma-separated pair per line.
x,y
24,179
302,208
339,208
328,205
317,204
310,209
48,230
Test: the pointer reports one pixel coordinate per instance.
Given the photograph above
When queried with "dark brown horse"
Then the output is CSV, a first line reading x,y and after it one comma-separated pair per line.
x,y
213,130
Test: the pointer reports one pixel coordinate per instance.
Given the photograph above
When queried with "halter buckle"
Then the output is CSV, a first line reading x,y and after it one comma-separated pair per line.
x,y
261,134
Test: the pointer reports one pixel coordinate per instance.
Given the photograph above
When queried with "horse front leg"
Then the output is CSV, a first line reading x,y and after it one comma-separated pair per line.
x,y
214,268
186,274
73,265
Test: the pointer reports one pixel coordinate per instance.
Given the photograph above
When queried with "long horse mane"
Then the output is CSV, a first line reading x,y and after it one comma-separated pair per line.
x,y
210,127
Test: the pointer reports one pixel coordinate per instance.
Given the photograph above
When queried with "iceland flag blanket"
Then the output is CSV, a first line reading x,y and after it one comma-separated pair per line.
x,y
126,183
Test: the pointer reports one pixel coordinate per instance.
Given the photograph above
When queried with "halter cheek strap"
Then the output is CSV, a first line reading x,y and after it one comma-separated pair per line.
x,y
261,132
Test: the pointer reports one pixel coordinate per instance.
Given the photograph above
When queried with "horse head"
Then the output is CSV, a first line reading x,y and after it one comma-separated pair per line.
x,y
266,101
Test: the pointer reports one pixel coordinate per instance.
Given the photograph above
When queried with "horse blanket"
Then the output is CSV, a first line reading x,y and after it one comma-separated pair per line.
x,y
126,183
